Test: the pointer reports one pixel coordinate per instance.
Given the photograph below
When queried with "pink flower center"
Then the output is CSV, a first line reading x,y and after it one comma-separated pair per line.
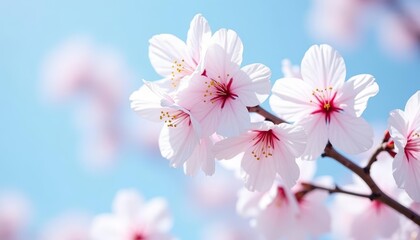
x,y
138,236
264,144
324,99
174,118
412,148
218,92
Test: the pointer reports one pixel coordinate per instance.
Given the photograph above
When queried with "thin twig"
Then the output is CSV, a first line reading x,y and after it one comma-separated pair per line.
x,y
268,116
310,187
373,158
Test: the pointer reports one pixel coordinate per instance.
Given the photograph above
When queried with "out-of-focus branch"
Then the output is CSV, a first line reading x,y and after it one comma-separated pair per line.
x,y
329,151
308,187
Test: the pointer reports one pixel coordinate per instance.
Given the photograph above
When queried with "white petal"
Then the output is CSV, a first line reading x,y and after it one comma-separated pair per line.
x,y
201,158
198,36
107,227
356,93
248,203
231,43
398,126
229,148
314,217
260,174
286,165
257,90
170,58
412,110
127,203
323,67
407,175
351,134
317,136
146,103
218,64
233,119
156,215
177,144
290,99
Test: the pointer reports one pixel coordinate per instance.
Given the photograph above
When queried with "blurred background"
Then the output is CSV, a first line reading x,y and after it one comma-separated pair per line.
x,y
69,140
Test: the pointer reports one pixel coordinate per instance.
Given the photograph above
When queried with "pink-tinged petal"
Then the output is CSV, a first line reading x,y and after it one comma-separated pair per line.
x,y
248,203
407,175
398,127
170,58
255,92
290,99
286,165
201,158
260,174
349,133
277,220
323,67
356,93
314,211
156,216
107,227
293,137
127,203
146,103
229,148
198,36
233,119
231,43
317,132
219,66
412,110
177,144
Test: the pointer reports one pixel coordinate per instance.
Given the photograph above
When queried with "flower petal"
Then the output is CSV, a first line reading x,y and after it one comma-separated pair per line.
x,y
398,128
233,119
351,134
177,144
198,36
290,99
107,227
156,216
231,43
356,93
412,110
323,67
407,175
126,204
257,90
317,136
146,103
260,174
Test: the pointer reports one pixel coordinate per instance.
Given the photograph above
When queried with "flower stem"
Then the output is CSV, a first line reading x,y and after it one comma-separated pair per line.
x,y
310,186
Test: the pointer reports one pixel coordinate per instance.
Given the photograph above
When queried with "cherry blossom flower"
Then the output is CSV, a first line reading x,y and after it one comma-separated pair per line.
x,y
219,94
174,59
133,219
266,151
283,214
324,104
404,127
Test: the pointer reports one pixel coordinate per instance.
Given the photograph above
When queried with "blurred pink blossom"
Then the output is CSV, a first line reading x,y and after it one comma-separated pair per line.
x,y
15,212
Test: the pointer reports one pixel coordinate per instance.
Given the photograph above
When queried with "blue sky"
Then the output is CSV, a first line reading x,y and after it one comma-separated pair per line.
x,y
38,143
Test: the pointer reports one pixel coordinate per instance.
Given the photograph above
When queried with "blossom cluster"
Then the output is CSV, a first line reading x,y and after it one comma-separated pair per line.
x,y
203,101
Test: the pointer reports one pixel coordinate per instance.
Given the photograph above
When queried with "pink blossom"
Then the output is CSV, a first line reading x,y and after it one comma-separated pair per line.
x,y
15,212
324,104
404,127
280,213
133,219
219,94
267,151
174,59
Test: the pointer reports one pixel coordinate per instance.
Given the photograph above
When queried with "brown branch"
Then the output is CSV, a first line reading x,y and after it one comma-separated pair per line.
x,y
376,191
308,187
268,116
373,159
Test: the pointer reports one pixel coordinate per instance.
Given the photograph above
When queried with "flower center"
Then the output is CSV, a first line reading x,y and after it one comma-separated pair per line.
x,y
324,99
175,118
412,148
179,70
263,144
138,236
218,92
